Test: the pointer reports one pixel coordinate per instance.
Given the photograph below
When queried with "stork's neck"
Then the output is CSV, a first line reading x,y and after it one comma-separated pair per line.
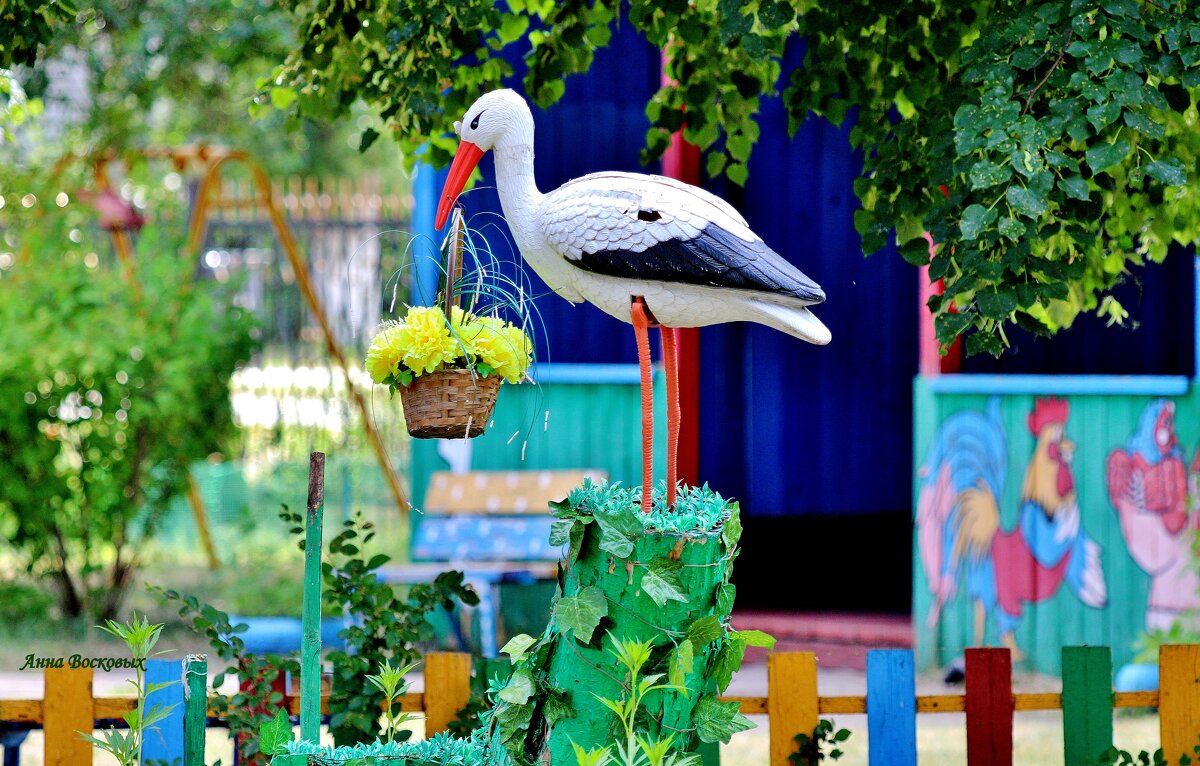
x,y
514,174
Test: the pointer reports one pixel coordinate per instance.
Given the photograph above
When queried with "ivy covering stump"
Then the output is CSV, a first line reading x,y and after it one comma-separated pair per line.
x,y
661,578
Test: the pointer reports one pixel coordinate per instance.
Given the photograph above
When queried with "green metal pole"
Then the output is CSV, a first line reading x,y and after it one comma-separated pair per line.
x,y
195,708
310,640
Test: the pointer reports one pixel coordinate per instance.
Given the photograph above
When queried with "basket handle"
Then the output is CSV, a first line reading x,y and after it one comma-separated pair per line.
x,y
454,260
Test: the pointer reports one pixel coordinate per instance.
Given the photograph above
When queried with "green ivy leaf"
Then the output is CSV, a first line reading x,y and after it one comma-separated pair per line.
x,y
731,530
717,721
682,663
519,688
560,531
726,593
756,638
619,529
661,581
704,631
727,662
581,614
557,706
517,646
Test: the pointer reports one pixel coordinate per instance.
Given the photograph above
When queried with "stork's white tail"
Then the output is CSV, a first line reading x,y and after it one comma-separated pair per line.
x,y
795,321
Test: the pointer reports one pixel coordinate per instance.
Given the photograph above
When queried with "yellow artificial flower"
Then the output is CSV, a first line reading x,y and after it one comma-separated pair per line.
x,y
385,353
427,342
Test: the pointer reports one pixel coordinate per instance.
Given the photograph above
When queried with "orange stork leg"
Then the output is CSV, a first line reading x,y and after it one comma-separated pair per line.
x,y
671,361
641,324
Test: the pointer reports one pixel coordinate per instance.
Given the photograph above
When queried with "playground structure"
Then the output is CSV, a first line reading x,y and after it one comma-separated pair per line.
x,y
257,205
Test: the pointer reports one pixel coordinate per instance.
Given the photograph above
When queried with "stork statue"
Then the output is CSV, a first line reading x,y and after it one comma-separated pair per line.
x,y
648,250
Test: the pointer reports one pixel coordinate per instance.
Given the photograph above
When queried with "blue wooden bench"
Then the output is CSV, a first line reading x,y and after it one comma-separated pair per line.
x,y
494,526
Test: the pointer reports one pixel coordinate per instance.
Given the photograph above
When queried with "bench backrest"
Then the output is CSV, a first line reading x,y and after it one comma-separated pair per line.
x,y
492,515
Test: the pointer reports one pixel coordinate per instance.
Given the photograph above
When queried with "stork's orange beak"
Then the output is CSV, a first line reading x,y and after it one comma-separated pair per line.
x,y
465,160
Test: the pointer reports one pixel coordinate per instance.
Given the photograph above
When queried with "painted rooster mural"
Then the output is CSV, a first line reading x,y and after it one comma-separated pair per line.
x,y
958,521
1148,485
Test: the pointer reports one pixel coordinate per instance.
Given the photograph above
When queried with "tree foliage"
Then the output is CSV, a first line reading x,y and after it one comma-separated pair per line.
x,y
110,392
1062,132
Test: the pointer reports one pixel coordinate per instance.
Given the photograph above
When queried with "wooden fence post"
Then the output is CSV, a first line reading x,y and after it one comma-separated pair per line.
x,y
67,711
447,688
195,708
791,701
1179,700
891,707
164,740
989,705
1087,703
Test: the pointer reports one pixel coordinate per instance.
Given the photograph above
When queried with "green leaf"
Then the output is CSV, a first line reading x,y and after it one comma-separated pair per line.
x,y
282,97
1074,187
726,593
986,173
1144,125
738,173
1105,155
581,614
1170,172
727,662
717,721
1103,115
1011,228
557,707
756,638
975,217
1026,201
619,529
704,631
275,733
682,663
560,531
661,581
519,688
517,646
731,530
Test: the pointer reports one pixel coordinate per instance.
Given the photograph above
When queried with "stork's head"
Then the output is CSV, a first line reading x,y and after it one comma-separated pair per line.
x,y
496,119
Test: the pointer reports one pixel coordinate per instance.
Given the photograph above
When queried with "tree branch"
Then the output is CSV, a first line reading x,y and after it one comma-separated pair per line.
x,y
1050,71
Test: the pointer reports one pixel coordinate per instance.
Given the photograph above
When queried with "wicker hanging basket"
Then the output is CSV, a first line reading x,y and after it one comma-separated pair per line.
x,y
449,404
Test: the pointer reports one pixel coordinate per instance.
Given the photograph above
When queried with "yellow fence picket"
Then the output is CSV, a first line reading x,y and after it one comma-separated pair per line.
x,y
792,704
66,712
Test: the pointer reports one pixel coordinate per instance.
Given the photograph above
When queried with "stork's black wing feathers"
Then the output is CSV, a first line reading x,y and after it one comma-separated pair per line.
x,y
714,258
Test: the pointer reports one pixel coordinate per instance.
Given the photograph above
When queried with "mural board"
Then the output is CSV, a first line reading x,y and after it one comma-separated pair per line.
x,y
1044,521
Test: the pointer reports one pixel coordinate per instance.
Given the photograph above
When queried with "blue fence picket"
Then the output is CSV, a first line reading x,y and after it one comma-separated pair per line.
x,y
891,708
164,744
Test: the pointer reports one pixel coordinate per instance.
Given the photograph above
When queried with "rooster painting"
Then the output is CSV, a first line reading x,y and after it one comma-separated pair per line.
x,y
958,521
1148,485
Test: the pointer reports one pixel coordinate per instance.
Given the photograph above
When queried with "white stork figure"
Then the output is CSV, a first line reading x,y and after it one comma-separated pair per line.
x,y
649,250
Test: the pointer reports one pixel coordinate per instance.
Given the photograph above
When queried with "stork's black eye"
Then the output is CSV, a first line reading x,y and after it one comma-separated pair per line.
x,y
475,122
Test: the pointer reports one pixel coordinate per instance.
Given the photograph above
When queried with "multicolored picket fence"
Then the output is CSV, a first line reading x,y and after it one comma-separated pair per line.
x,y
792,705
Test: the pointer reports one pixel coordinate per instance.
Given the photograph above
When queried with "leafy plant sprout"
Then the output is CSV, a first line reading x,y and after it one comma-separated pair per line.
x,y
126,747
637,749
391,681
810,749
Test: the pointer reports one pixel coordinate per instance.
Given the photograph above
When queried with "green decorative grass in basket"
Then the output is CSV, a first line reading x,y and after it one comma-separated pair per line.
x,y
447,363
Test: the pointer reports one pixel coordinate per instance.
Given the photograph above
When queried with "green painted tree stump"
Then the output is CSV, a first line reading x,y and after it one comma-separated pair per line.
x,y
661,577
